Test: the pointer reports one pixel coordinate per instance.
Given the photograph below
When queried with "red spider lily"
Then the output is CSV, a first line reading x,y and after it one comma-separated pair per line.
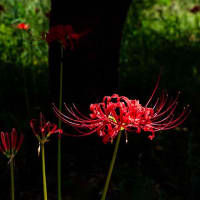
x,y
64,34
10,143
42,129
23,26
195,9
118,113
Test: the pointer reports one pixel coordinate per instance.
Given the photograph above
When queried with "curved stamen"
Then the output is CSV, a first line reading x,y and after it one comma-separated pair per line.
x,y
157,83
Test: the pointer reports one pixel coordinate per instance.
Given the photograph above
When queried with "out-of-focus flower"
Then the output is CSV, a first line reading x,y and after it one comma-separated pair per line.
x,y
118,113
23,26
65,35
47,14
37,10
195,9
10,143
2,8
42,129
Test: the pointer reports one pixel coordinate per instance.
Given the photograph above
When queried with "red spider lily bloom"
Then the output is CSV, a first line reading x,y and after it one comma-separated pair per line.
x,y
118,113
10,143
42,129
23,26
64,34
195,9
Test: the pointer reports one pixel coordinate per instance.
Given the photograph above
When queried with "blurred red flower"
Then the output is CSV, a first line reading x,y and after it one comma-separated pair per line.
x,y
195,9
10,143
42,129
118,113
47,14
2,8
23,26
64,34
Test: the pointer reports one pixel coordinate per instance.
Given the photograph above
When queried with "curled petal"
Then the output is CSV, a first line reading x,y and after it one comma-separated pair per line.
x,y
43,129
3,140
13,138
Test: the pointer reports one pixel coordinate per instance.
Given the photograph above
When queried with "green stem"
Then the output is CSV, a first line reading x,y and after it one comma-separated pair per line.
x,y
44,172
12,179
111,167
59,126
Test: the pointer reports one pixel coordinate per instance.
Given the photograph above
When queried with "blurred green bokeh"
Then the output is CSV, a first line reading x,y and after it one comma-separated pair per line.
x,y
23,59
161,36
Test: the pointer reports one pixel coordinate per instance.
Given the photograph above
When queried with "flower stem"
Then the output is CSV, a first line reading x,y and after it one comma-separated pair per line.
x,y
44,172
59,126
12,179
111,167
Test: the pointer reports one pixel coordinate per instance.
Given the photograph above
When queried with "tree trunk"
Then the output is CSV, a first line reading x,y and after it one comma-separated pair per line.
x,y
91,70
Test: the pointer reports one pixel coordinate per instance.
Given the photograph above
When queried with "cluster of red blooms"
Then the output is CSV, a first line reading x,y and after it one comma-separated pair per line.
x,y
65,34
43,129
118,113
23,26
11,143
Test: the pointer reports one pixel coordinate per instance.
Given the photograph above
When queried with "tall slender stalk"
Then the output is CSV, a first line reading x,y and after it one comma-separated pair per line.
x,y
44,172
103,197
59,126
12,179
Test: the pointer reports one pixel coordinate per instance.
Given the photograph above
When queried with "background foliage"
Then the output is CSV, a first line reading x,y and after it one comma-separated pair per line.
x,y
161,36
23,59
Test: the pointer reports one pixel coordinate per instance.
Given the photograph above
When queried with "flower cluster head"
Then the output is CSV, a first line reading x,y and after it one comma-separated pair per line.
x,y
10,143
42,129
119,114
65,34
23,26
